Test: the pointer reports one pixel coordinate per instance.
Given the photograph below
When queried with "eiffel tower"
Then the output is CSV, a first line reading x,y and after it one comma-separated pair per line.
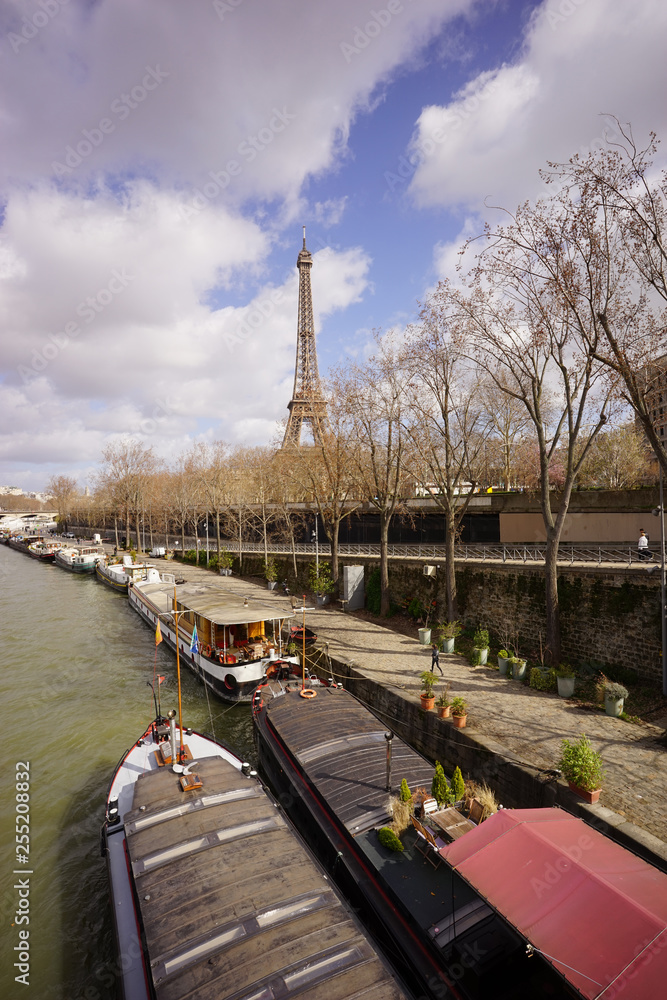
x,y
307,404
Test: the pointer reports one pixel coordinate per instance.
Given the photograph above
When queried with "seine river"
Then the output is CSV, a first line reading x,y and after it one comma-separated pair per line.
x,y
73,694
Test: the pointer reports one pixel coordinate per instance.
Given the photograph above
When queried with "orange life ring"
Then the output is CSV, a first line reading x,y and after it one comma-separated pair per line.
x,y
206,649
272,670
308,693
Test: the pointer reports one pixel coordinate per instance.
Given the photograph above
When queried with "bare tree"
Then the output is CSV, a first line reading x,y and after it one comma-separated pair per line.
x,y
124,477
444,419
619,459
63,489
325,475
372,396
619,187
538,291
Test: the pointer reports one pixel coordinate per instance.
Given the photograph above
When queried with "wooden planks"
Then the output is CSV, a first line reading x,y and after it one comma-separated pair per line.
x,y
232,904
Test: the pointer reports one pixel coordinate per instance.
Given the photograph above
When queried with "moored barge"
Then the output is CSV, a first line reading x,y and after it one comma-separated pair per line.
x,y
214,896
236,640
527,903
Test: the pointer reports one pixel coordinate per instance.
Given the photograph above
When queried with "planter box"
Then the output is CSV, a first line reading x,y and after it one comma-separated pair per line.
x,y
425,636
271,584
503,663
613,707
427,703
480,655
518,670
583,794
565,687
322,599
444,711
448,645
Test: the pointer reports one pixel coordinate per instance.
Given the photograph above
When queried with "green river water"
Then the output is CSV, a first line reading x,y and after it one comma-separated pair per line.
x,y
73,696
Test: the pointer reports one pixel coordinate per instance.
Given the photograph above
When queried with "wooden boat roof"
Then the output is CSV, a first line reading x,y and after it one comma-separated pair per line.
x,y
342,749
232,904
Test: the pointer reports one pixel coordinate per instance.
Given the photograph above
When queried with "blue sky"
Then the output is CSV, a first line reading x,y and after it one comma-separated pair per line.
x,y
159,161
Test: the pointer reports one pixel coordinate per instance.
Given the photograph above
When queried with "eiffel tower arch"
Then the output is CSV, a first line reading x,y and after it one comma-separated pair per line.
x,y
307,405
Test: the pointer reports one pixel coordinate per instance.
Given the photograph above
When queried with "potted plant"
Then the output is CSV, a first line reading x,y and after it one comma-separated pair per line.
x,y
270,573
424,631
459,712
614,696
503,662
582,767
518,667
321,582
480,646
449,633
225,560
427,696
443,704
565,680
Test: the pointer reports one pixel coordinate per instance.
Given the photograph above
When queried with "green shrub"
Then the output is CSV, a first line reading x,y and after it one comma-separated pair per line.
x,y
388,839
373,592
458,784
440,789
543,680
581,764
405,793
415,609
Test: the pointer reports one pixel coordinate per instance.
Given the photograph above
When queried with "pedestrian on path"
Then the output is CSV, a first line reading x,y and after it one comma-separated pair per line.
x,y
435,659
642,546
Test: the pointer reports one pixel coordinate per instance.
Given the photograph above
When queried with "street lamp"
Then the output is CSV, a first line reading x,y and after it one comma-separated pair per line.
x,y
317,550
207,540
660,512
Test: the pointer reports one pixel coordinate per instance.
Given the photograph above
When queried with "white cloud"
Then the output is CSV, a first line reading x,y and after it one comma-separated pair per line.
x,y
491,140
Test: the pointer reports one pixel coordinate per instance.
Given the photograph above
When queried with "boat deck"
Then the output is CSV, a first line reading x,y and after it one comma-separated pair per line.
x,y
232,903
342,749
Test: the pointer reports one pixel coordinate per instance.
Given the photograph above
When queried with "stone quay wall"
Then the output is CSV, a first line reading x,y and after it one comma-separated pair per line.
x,y
609,616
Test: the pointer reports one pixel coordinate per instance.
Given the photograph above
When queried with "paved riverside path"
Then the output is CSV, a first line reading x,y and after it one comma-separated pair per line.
x,y
529,724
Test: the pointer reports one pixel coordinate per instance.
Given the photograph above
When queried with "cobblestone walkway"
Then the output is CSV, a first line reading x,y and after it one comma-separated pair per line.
x,y
530,724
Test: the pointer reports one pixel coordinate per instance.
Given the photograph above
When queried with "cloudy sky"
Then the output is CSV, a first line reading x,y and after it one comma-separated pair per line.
x,y
159,158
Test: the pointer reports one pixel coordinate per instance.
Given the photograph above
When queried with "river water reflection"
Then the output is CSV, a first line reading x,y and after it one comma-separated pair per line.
x,y
76,661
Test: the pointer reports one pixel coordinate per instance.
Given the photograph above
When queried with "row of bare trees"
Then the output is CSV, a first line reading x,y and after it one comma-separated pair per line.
x,y
530,369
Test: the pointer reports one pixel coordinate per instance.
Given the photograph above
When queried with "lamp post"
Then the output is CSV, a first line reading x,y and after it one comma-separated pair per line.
x,y
317,549
207,540
660,512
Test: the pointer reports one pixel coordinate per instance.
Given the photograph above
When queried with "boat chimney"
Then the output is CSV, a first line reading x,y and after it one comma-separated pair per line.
x,y
389,737
171,714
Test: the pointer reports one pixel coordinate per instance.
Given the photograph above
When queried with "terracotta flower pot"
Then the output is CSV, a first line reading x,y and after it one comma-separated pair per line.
x,y
427,703
459,721
584,794
444,711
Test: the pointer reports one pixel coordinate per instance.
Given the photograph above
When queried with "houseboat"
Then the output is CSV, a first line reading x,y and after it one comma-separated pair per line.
x,y
44,550
79,560
22,543
213,894
237,639
527,903
119,575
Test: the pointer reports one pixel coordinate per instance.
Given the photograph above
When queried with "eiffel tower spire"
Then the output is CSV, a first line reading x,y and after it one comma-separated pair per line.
x,y
307,404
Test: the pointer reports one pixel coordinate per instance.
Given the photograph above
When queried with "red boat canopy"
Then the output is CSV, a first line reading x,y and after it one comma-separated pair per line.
x,y
596,912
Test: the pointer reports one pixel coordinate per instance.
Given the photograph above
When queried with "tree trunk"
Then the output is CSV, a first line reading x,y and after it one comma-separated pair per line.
x,y
450,566
333,539
183,537
240,542
384,564
217,534
115,531
551,600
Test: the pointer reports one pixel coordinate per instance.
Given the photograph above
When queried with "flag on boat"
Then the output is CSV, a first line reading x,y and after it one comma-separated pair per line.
x,y
160,679
194,644
158,634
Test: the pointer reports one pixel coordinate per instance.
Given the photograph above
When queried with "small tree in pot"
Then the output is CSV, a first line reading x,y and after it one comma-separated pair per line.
x,y
582,767
428,680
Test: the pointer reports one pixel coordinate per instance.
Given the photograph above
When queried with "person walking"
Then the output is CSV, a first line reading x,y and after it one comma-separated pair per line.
x,y
435,659
642,546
